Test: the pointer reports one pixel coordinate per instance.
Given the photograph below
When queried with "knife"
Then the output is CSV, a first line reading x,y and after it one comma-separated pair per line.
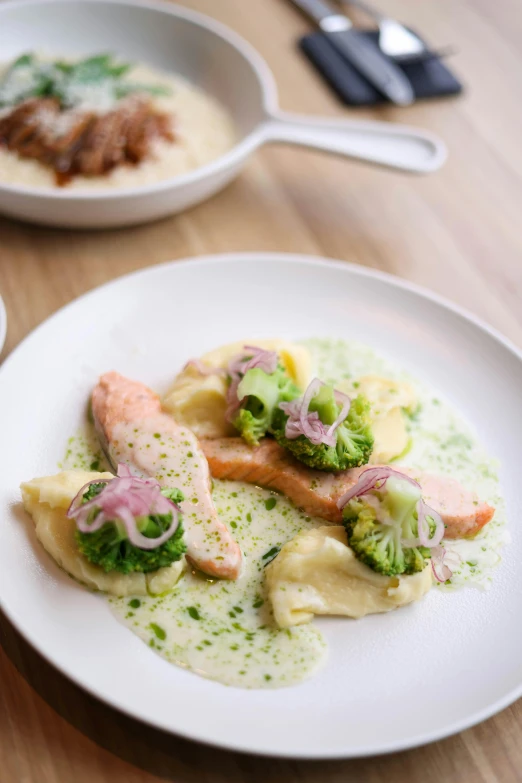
x,y
365,55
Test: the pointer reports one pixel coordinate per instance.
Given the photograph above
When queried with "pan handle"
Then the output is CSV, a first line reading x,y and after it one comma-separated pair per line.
x,y
382,143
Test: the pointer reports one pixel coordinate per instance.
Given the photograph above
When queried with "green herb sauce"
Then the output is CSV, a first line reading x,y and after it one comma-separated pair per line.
x,y
224,630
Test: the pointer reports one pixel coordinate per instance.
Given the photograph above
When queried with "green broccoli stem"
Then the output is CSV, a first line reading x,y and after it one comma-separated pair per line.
x,y
324,403
260,394
400,501
382,526
261,391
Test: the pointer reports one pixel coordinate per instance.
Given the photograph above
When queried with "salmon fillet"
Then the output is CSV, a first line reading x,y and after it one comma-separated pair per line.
x,y
133,429
269,465
462,512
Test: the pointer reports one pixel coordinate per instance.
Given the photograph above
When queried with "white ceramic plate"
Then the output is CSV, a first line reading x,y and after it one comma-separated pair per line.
x,y
392,681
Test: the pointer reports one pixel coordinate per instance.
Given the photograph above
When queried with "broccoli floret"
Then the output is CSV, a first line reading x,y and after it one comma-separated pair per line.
x,y
173,494
110,548
380,524
354,438
261,393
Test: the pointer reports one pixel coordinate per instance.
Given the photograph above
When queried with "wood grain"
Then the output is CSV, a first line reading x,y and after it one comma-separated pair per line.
x,y
457,232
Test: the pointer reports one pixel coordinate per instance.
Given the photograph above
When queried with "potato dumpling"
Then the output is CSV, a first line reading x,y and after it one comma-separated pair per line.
x,y
386,394
390,402
47,500
316,573
391,437
199,401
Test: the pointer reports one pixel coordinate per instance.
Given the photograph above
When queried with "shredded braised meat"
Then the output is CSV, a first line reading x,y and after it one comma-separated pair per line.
x,y
73,142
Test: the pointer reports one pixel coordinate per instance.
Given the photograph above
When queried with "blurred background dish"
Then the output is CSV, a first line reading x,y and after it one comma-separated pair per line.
x,y
213,59
98,122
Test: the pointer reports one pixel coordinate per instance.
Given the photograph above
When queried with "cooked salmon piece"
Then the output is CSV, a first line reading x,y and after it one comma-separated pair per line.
x,y
133,429
269,465
461,511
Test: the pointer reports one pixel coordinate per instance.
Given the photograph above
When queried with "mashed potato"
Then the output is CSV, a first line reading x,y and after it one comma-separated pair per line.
x,y
47,500
317,573
203,129
390,402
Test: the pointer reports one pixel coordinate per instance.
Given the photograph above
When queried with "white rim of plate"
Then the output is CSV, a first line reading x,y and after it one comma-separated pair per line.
x,y
354,269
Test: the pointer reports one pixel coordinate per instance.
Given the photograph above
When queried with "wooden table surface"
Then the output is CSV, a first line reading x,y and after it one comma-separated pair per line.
x,y
457,232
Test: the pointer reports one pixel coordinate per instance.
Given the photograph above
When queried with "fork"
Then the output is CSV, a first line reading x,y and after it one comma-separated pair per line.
x,y
396,40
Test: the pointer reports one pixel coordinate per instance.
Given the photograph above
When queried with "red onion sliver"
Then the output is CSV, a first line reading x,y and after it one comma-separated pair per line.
x,y
369,479
308,429
264,360
426,511
123,471
124,499
293,428
441,571
137,538
77,499
233,403
252,358
84,527
292,408
345,401
422,525
303,422
204,369
424,539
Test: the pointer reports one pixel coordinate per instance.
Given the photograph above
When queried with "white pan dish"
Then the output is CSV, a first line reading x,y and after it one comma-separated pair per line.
x,y
211,57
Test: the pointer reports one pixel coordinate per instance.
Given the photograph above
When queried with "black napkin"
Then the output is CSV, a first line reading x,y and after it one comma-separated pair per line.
x,y
429,78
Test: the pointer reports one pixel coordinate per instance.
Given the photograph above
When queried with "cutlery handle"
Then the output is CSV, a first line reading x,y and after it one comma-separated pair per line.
x,y
320,12
382,143
369,10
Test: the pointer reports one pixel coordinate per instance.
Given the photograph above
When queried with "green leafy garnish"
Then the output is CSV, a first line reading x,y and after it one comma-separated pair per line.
x,y
158,631
271,554
70,82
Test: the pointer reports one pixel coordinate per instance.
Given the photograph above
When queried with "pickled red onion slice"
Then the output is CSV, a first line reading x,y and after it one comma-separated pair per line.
x,y
124,499
441,564
376,478
302,421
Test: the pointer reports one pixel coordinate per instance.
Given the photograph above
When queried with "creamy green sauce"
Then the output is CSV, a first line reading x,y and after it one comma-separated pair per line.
x,y
83,452
224,630
443,442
